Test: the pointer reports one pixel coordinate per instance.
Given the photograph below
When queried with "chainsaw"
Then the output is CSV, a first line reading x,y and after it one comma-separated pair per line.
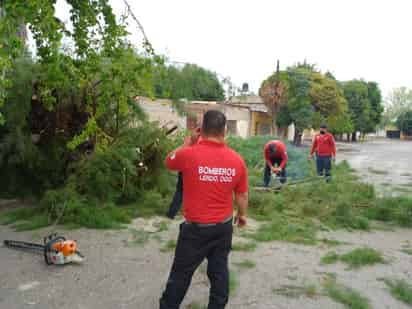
x,y
56,250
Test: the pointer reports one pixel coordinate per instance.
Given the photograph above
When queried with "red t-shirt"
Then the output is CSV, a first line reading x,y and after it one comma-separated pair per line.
x,y
324,145
211,173
280,153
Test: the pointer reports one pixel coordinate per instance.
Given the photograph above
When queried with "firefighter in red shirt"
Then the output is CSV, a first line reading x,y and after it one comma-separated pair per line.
x,y
212,174
325,148
276,159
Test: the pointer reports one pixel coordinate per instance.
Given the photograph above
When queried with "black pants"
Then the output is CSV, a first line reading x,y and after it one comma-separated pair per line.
x,y
177,198
324,166
194,244
268,172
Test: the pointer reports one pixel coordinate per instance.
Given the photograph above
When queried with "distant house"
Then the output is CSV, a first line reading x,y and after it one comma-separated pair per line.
x,y
260,117
162,111
238,117
392,131
246,116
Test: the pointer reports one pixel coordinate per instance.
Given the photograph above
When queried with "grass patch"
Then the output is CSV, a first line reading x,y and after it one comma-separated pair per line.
x,y
233,282
392,209
24,219
407,251
400,289
329,258
244,246
403,189
170,245
347,296
298,212
362,257
406,174
355,258
295,230
246,264
294,291
376,171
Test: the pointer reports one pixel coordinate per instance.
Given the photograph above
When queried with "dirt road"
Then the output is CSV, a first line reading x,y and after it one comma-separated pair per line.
x,y
128,268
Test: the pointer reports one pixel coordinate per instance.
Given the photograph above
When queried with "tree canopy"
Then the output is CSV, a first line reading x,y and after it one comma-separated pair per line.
x,y
365,104
190,82
404,122
398,102
308,97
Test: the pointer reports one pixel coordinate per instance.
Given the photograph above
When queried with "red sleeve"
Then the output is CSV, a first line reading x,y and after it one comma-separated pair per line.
x,y
314,145
177,160
284,156
266,154
243,184
333,145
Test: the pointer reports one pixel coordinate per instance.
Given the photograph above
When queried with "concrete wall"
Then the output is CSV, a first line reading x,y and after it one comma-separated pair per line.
x,y
241,116
259,122
291,132
162,111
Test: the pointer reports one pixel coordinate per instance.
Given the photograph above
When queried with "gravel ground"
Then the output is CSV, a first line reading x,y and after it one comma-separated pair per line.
x,y
385,163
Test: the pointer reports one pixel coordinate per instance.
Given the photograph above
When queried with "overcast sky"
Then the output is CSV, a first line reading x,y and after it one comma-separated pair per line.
x,y
368,39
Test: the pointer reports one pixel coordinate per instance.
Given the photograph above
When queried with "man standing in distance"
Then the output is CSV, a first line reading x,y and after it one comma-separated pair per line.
x,y
325,148
212,172
276,159
178,195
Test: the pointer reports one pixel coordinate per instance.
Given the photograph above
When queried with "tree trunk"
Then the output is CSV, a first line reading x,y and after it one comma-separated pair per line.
x,y
353,136
297,139
274,126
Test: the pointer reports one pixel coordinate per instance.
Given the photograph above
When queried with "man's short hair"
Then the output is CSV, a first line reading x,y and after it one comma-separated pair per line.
x,y
323,126
214,123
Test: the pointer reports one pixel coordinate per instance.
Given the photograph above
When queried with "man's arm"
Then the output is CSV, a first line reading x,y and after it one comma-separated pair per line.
x,y
333,144
176,159
241,197
242,201
284,155
314,145
266,156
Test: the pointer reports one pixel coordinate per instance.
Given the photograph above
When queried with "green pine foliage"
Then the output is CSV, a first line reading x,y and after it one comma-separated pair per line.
x,y
251,150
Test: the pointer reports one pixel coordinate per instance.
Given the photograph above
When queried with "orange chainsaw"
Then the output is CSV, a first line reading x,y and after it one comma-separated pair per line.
x,y
57,250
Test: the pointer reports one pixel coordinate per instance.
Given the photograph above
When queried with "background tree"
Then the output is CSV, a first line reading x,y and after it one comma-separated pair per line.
x,y
76,99
308,98
404,122
190,82
299,105
399,101
365,105
356,93
273,91
375,100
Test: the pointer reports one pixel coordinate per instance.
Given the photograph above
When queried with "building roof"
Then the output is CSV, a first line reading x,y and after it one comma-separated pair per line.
x,y
253,102
246,99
